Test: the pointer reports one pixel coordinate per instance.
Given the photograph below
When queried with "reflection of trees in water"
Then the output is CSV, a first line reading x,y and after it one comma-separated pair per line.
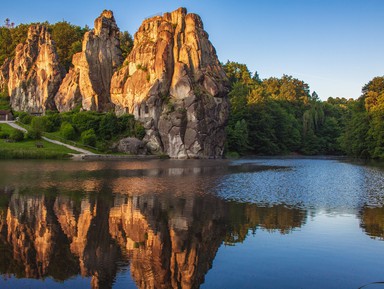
x,y
168,241
244,217
372,222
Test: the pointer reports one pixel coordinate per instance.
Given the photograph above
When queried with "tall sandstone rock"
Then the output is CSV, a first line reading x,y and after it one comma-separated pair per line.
x,y
34,74
88,82
173,82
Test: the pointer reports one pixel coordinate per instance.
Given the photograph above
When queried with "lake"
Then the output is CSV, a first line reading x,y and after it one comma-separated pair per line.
x,y
249,223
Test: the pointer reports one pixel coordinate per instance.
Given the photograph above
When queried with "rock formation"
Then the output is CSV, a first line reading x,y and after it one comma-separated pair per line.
x,y
4,75
173,82
131,145
35,73
88,82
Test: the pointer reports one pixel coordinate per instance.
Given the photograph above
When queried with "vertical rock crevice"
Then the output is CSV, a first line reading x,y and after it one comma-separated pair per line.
x,y
88,82
173,82
35,74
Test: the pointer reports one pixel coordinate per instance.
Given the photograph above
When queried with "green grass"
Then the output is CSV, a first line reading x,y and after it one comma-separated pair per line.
x,y
57,136
27,149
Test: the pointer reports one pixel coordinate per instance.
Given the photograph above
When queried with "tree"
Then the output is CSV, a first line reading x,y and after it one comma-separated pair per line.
x,y
17,135
68,39
88,137
67,131
126,43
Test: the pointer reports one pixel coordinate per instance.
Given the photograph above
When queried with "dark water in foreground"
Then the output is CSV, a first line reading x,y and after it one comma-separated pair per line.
x,y
269,223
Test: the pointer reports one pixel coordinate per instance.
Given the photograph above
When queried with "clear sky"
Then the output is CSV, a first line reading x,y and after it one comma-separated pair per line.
x,y
336,46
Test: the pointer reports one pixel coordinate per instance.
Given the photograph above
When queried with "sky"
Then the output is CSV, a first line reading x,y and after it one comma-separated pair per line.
x,y
335,46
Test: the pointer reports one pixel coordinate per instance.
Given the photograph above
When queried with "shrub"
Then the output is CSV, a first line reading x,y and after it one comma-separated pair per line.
x,y
51,122
34,134
108,126
67,131
25,118
17,135
85,120
139,131
4,135
88,137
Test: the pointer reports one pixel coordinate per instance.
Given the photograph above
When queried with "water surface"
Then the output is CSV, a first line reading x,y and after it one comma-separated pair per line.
x,y
264,223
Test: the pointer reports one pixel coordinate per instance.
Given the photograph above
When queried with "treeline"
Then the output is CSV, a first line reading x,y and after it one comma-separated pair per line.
x,y
68,39
280,116
364,133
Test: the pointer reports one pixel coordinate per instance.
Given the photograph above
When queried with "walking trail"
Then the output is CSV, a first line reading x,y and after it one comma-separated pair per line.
x,y
82,151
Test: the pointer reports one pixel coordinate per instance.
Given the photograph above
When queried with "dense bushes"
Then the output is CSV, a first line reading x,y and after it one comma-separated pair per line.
x,y
16,135
90,128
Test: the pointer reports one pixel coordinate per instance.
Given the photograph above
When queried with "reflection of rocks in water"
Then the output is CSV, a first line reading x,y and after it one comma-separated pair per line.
x,y
168,240
33,242
372,222
171,242
86,226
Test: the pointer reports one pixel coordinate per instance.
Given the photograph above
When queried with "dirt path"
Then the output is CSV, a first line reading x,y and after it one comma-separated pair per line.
x,y
82,151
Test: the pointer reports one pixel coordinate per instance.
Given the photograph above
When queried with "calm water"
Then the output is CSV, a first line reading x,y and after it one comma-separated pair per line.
x,y
266,223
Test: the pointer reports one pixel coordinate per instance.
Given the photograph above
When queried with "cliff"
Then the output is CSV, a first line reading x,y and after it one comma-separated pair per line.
x,y
88,82
34,74
173,82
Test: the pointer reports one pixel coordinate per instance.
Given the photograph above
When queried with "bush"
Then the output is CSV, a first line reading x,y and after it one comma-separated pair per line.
x,y
25,118
88,137
67,131
34,134
4,135
86,120
108,126
51,122
139,131
17,135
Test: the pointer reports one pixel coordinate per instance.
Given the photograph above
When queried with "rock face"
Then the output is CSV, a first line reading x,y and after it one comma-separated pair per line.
x,y
131,145
35,73
4,75
88,82
173,82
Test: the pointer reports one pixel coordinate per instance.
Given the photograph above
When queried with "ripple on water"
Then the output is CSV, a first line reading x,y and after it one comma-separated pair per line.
x,y
309,183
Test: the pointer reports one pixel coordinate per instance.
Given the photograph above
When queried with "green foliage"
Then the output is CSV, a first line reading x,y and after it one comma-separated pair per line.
x,y
281,116
126,43
85,120
108,126
88,137
24,117
68,39
16,135
67,131
34,134
238,137
4,135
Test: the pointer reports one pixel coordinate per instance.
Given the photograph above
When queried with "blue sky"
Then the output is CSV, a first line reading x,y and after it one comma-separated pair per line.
x,y
336,46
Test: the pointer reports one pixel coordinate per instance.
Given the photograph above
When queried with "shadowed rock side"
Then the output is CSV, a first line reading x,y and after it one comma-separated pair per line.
x,y
173,82
4,75
88,82
35,73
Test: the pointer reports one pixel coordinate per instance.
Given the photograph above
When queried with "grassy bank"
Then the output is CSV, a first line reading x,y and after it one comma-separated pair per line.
x,y
28,149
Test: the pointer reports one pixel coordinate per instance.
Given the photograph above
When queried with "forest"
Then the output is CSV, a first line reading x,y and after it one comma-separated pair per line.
x,y
273,116
276,116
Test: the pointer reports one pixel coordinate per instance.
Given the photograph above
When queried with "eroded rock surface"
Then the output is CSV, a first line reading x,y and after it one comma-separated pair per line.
x,y
35,73
88,82
173,82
